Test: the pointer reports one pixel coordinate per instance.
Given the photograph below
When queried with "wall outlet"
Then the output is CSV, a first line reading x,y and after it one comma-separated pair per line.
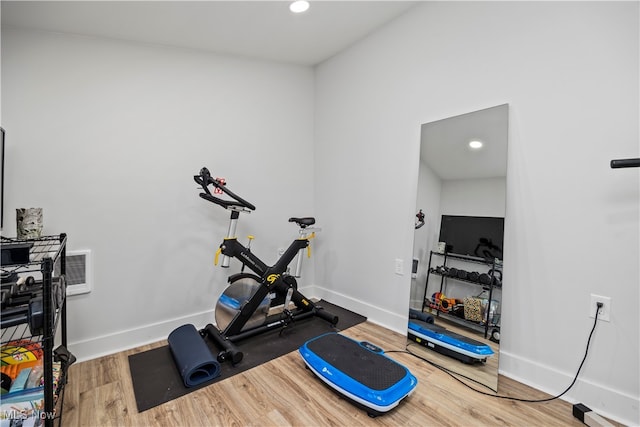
x,y
605,310
399,267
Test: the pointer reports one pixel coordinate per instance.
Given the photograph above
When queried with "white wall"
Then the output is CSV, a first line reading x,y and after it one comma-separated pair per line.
x,y
569,71
475,197
106,137
428,198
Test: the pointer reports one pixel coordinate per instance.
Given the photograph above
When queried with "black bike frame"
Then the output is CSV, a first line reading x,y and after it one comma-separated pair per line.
x,y
271,279
234,249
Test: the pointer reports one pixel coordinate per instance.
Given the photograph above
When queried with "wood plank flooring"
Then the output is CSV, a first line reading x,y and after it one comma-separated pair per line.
x,y
284,393
484,373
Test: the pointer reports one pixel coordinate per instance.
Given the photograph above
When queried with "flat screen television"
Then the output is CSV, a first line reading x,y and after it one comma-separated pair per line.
x,y
478,236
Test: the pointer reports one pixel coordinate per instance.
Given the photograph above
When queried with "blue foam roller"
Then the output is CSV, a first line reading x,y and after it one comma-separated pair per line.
x,y
192,356
415,314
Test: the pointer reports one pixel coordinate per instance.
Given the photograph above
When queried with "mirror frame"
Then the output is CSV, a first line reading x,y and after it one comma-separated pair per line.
x,y
490,164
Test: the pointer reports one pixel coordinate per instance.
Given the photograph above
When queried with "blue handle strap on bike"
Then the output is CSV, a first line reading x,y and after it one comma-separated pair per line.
x,y
192,357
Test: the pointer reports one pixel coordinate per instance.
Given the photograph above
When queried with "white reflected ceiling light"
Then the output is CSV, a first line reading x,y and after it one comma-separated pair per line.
x,y
475,144
299,6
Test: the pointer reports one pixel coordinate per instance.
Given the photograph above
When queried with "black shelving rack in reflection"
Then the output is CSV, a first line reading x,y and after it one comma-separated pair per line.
x,y
446,256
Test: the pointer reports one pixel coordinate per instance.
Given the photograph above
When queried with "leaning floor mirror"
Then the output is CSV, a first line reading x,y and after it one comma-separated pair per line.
x,y
456,289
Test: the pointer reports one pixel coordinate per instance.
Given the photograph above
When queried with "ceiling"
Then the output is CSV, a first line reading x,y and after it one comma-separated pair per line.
x,y
445,144
257,29
267,30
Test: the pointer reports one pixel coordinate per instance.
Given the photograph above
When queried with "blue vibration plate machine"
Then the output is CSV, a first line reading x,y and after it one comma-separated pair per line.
x,y
447,342
359,371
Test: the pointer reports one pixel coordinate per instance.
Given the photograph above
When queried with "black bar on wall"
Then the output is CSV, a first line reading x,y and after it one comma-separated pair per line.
x,y
625,163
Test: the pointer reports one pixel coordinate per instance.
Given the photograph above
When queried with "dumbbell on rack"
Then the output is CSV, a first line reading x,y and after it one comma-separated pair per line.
x,y
463,274
7,291
497,277
22,302
20,291
491,277
484,279
31,313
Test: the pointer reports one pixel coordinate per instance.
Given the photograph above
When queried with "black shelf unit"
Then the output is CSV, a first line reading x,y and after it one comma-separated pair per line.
x,y
47,261
493,266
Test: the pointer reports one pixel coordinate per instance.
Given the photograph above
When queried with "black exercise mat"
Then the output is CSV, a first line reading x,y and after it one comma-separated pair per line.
x,y
156,379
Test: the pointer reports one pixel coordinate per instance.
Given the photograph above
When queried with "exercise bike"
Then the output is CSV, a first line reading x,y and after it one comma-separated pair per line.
x,y
242,311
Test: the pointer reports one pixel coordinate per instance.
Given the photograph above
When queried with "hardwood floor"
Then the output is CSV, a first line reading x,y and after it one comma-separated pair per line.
x,y
284,393
484,373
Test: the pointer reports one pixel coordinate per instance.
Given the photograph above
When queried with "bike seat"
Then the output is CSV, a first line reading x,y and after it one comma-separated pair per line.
x,y
303,222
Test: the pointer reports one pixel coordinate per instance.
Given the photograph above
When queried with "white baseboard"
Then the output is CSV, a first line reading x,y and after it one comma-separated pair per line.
x,y
135,337
374,314
607,402
127,339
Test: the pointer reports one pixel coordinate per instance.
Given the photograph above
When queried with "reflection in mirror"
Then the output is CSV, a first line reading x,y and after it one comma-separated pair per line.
x,y
456,288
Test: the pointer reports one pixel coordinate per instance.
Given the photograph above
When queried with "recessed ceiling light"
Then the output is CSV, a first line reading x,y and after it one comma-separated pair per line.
x,y
475,144
299,6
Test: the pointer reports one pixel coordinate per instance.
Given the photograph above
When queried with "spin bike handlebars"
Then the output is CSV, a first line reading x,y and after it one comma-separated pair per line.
x,y
204,179
625,163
